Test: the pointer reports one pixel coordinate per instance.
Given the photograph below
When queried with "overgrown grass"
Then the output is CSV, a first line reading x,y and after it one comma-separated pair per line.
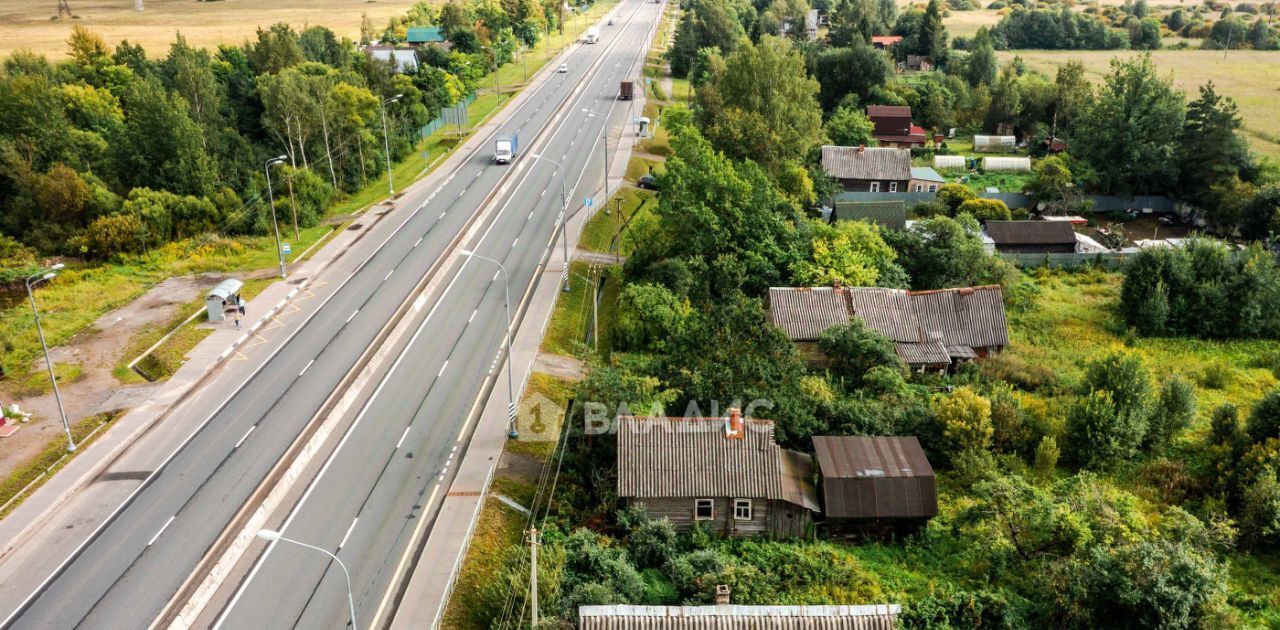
x,y
37,383
499,529
541,415
599,232
1006,182
638,167
51,458
567,331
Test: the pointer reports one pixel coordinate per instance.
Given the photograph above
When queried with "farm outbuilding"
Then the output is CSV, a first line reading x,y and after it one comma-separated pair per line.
x,y
1009,164
948,161
874,483
994,144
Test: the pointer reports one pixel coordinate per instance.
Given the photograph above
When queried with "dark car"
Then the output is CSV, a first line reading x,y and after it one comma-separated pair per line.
x,y
647,182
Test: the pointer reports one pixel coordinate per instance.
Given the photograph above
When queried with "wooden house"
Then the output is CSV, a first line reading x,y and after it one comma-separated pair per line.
x,y
868,169
894,126
1032,237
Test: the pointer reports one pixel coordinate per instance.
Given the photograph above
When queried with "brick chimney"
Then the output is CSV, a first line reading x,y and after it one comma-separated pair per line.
x,y
862,147
733,429
722,594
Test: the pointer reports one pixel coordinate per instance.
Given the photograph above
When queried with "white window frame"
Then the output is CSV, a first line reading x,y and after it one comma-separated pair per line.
x,y
738,506
698,504
933,188
919,187
875,186
893,186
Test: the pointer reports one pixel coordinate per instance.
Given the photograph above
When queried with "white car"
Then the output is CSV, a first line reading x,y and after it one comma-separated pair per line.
x,y
564,67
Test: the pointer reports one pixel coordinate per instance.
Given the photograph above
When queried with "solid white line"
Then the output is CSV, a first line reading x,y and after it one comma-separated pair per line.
x,y
162,528
348,534
404,435
441,372
244,437
308,366
351,316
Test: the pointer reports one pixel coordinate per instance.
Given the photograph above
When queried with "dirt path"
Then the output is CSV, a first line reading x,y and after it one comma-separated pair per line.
x,y
97,350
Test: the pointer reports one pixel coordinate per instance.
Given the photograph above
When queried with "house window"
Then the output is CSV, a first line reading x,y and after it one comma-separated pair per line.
x,y
742,509
919,188
933,188
702,509
875,186
893,186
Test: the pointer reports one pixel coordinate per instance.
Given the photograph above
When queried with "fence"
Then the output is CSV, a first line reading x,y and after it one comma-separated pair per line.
x,y
1110,260
444,118
1101,203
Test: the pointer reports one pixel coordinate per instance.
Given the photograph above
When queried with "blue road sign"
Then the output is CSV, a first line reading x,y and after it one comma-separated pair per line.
x,y
286,249
587,201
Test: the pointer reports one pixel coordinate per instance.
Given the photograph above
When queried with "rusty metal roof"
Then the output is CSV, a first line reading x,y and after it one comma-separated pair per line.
x,y
661,457
736,617
873,163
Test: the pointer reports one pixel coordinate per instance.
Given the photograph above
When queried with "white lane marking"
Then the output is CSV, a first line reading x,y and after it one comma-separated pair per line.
x,y
404,435
495,275
418,242
348,534
244,437
530,215
473,315
441,372
306,367
162,528
544,192
513,243
442,215
351,316
388,277
464,191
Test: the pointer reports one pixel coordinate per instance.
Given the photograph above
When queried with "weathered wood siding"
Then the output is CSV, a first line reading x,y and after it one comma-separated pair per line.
x,y
779,518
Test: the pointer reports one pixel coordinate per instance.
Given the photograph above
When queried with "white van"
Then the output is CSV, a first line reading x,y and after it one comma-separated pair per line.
x,y
593,35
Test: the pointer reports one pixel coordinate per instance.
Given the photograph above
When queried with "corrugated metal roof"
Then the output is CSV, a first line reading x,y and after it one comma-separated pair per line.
x,y
927,174
424,34
1030,232
692,457
889,111
875,163
891,214
804,313
870,456
922,323
736,617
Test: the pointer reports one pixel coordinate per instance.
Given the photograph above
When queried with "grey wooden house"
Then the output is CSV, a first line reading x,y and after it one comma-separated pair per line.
x,y
728,473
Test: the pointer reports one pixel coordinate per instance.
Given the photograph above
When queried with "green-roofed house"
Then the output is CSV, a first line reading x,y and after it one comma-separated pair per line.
x,y
887,214
925,179
425,36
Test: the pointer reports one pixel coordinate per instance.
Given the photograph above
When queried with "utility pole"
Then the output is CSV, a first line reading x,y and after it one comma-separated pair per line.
x,y
64,8
533,574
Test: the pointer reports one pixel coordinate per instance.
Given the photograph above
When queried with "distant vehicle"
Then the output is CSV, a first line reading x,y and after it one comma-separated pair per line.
x,y
647,182
505,148
593,35
626,91
564,67
610,21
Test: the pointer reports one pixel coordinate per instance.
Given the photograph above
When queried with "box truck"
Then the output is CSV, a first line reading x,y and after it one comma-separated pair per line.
x,y
593,35
625,91
505,148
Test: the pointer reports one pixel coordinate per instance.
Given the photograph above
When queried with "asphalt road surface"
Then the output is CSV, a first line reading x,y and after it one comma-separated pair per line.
x,y
369,496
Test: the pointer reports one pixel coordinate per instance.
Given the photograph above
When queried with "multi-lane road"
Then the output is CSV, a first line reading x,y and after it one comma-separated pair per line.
x,y
373,487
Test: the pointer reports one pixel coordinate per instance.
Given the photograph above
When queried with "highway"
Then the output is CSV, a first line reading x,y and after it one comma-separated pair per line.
x,y
375,485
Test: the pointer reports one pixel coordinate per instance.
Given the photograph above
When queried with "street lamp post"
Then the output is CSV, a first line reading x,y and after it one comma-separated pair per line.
x,y
511,389
386,142
48,274
271,201
564,218
272,536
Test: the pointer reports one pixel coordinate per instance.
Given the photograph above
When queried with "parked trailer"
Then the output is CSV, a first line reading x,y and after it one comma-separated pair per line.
x,y
593,35
626,91
505,148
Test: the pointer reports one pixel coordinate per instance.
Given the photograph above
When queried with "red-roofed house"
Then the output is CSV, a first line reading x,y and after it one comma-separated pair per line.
x,y
893,127
885,42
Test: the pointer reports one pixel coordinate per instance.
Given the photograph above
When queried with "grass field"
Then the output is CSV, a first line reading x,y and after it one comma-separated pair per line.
x,y
30,24
1251,77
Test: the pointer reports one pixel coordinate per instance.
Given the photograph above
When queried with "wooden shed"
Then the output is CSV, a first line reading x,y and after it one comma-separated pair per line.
x,y
1032,237
874,484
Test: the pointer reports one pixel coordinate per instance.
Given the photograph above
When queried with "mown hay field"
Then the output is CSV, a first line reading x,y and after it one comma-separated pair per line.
x,y
31,24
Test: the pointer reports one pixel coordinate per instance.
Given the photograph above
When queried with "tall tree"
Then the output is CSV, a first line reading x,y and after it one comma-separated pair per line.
x,y
1210,149
932,42
1131,130
980,66
161,147
855,70
763,106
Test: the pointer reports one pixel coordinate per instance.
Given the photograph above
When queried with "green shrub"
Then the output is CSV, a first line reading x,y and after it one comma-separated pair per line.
x,y
952,195
1098,434
1264,420
985,209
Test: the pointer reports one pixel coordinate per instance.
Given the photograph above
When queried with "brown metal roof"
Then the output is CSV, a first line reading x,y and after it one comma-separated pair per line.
x,y
662,457
874,163
875,477
922,323
1030,232
889,111
735,617
870,456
